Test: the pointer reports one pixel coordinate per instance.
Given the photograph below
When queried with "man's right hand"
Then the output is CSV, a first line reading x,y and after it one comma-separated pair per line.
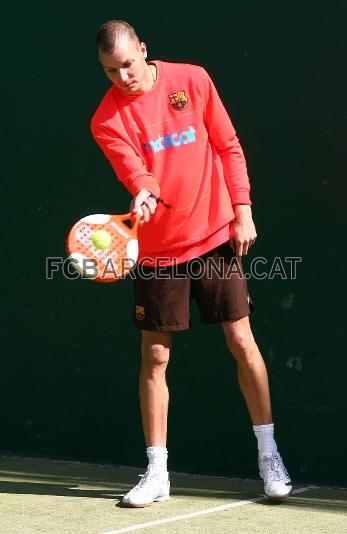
x,y
145,204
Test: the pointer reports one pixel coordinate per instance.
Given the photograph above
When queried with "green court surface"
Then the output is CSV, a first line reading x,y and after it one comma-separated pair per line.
x,y
46,496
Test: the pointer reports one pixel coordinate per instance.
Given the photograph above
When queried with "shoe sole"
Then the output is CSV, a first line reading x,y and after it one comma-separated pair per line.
x,y
276,498
144,505
279,498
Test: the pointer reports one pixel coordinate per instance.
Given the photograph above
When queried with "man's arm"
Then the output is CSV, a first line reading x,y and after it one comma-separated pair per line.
x,y
223,136
127,163
130,169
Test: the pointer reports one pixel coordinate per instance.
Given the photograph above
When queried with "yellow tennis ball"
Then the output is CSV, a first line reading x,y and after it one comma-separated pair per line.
x,y
101,239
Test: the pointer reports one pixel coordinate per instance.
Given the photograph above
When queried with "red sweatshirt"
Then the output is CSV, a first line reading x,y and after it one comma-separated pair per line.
x,y
178,142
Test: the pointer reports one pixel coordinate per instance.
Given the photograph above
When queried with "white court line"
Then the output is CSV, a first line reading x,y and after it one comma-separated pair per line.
x,y
196,514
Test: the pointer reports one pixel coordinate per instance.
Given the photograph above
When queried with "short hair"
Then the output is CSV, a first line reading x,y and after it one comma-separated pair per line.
x,y
110,33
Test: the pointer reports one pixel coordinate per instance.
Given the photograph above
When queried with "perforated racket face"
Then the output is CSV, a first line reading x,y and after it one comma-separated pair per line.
x,y
104,265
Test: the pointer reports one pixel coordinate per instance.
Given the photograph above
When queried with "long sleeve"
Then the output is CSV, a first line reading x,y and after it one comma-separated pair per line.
x,y
223,136
128,165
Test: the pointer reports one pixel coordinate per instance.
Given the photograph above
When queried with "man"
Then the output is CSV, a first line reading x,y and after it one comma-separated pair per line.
x,y
171,143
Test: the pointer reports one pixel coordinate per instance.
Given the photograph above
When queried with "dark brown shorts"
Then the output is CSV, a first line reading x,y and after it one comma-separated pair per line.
x,y
215,279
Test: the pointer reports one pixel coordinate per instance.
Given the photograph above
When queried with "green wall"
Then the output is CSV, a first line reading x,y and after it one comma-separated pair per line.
x,y
70,357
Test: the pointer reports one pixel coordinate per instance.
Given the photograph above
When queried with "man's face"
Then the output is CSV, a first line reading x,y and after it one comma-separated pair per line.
x,y
126,66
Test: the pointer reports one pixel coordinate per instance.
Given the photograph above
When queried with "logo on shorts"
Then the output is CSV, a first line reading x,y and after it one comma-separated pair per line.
x,y
178,101
140,312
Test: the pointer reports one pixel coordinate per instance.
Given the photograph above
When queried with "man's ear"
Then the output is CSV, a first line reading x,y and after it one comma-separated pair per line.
x,y
143,50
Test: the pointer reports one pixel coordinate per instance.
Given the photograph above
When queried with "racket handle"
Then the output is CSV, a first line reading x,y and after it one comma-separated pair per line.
x,y
157,199
135,220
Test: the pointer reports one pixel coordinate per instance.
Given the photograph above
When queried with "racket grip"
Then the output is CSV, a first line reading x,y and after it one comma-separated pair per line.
x,y
157,199
135,219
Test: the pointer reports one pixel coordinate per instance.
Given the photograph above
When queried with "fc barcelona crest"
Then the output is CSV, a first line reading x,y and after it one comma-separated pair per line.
x,y
139,312
178,101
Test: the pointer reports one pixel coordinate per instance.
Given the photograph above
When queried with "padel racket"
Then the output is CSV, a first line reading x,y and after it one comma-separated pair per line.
x,y
108,259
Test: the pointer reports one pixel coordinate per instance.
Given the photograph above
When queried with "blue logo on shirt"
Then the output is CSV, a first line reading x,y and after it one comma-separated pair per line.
x,y
171,140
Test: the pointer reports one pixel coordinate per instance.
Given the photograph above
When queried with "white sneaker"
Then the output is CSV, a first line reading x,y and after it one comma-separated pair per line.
x,y
275,475
153,487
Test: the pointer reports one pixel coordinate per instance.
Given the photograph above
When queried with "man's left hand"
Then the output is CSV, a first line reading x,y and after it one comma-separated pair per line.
x,y
243,233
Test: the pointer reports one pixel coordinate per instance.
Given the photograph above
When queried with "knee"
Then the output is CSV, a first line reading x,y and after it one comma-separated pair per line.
x,y
155,356
155,352
241,344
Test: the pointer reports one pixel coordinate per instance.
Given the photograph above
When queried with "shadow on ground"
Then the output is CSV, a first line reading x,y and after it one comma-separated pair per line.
x,y
34,476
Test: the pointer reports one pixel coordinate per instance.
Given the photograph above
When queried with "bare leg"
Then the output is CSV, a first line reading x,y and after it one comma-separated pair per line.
x,y
251,370
154,399
154,393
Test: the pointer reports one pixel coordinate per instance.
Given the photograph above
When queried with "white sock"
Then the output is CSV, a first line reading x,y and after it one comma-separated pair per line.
x,y
265,437
157,459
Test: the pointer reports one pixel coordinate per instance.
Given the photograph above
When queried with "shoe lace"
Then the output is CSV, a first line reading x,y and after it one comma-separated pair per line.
x,y
276,470
146,477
